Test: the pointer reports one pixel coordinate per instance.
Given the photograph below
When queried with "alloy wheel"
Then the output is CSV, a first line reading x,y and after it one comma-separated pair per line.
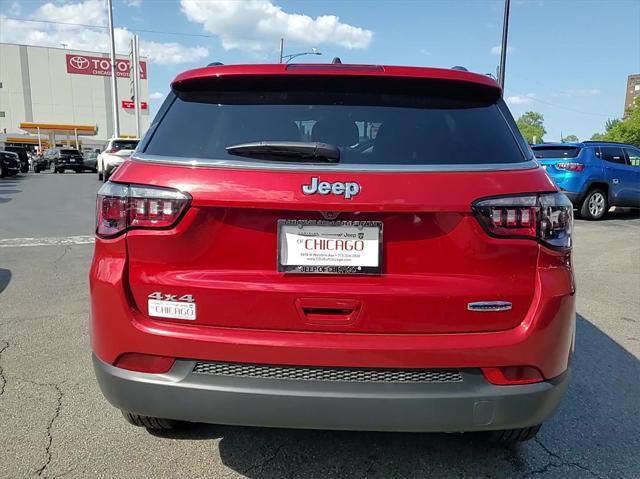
x,y
596,204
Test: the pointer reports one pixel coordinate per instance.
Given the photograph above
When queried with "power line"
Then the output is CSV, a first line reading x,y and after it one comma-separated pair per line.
x,y
569,109
554,91
104,27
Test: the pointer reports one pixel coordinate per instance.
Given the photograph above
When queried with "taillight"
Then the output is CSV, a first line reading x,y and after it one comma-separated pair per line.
x,y
113,149
570,166
547,218
121,207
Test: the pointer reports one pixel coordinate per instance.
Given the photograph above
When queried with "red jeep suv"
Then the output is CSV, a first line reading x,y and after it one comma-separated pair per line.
x,y
334,246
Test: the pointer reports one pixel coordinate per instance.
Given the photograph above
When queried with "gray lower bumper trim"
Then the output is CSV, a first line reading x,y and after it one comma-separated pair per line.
x,y
470,405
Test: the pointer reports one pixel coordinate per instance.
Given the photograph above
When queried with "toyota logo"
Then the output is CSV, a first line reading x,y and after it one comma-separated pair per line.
x,y
79,62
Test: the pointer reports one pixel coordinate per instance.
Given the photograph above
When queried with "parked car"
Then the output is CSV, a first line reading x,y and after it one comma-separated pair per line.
x,y
9,163
595,175
41,162
245,274
62,159
22,155
115,152
91,161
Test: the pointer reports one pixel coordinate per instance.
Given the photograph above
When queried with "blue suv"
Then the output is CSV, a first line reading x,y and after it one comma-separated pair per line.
x,y
595,175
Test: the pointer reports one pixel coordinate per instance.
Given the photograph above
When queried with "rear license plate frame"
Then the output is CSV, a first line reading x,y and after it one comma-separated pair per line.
x,y
330,269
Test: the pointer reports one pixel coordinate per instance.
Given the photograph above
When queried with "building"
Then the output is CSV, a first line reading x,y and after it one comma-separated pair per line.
x,y
633,91
66,93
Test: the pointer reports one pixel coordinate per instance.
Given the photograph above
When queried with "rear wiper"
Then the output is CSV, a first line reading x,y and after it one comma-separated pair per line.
x,y
287,151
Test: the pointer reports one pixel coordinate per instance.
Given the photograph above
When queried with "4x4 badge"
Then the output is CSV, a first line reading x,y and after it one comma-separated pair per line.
x,y
158,296
347,189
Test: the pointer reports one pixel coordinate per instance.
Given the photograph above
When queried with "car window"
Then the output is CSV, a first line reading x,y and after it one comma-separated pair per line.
x,y
368,128
67,151
613,155
597,152
556,151
125,145
633,156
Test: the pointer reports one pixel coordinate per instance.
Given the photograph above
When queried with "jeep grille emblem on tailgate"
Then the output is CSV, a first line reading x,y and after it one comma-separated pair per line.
x,y
348,189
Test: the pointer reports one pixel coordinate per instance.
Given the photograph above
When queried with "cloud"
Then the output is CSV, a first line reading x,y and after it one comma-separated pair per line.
x,y
14,9
525,99
156,95
91,12
425,52
76,37
171,53
257,25
132,3
498,48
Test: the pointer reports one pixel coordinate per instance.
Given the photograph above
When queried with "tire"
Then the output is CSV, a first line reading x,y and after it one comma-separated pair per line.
x,y
155,423
100,176
36,169
511,436
595,205
2,173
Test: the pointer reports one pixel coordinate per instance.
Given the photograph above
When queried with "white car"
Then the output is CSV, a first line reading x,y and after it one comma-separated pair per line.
x,y
115,152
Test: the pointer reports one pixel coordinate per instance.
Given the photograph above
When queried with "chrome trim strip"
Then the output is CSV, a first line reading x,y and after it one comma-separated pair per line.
x,y
263,165
484,306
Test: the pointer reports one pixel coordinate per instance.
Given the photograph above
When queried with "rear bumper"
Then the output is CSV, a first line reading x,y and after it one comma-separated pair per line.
x,y
69,166
470,405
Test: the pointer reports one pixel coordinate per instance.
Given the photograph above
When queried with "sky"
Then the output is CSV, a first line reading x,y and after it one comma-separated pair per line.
x,y
567,59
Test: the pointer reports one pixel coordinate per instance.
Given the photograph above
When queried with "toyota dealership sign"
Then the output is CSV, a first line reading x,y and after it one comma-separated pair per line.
x,y
86,65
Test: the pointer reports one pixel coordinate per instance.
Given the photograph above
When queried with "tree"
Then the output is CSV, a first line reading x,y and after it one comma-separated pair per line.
x,y
570,139
610,124
626,130
531,125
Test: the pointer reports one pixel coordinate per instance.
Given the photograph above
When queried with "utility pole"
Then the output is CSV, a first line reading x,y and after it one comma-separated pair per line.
x,y
281,49
114,86
503,49
134,79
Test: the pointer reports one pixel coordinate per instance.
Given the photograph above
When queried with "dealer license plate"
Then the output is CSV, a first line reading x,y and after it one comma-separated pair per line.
x,y
334,247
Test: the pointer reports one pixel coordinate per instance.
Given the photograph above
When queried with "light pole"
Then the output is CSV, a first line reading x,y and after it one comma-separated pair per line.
x,y
503,49
288,58
313,51
114,87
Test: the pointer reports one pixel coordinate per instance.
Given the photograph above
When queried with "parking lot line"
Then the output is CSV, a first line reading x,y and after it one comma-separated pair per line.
x,y
66,240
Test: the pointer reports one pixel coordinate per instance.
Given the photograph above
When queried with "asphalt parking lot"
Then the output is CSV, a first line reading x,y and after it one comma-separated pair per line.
x,y
54,422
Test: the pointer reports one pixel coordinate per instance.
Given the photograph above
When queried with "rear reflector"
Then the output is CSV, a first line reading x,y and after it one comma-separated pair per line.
x,y
121,207
512,375
144,363
547,218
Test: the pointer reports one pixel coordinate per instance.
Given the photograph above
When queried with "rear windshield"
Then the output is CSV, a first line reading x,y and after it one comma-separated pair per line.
x,y
70,152
556,151
125,144
368,128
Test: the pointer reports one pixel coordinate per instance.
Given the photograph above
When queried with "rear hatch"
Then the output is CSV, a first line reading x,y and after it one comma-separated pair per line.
x,y
123,148
70,156
561,162
413,156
